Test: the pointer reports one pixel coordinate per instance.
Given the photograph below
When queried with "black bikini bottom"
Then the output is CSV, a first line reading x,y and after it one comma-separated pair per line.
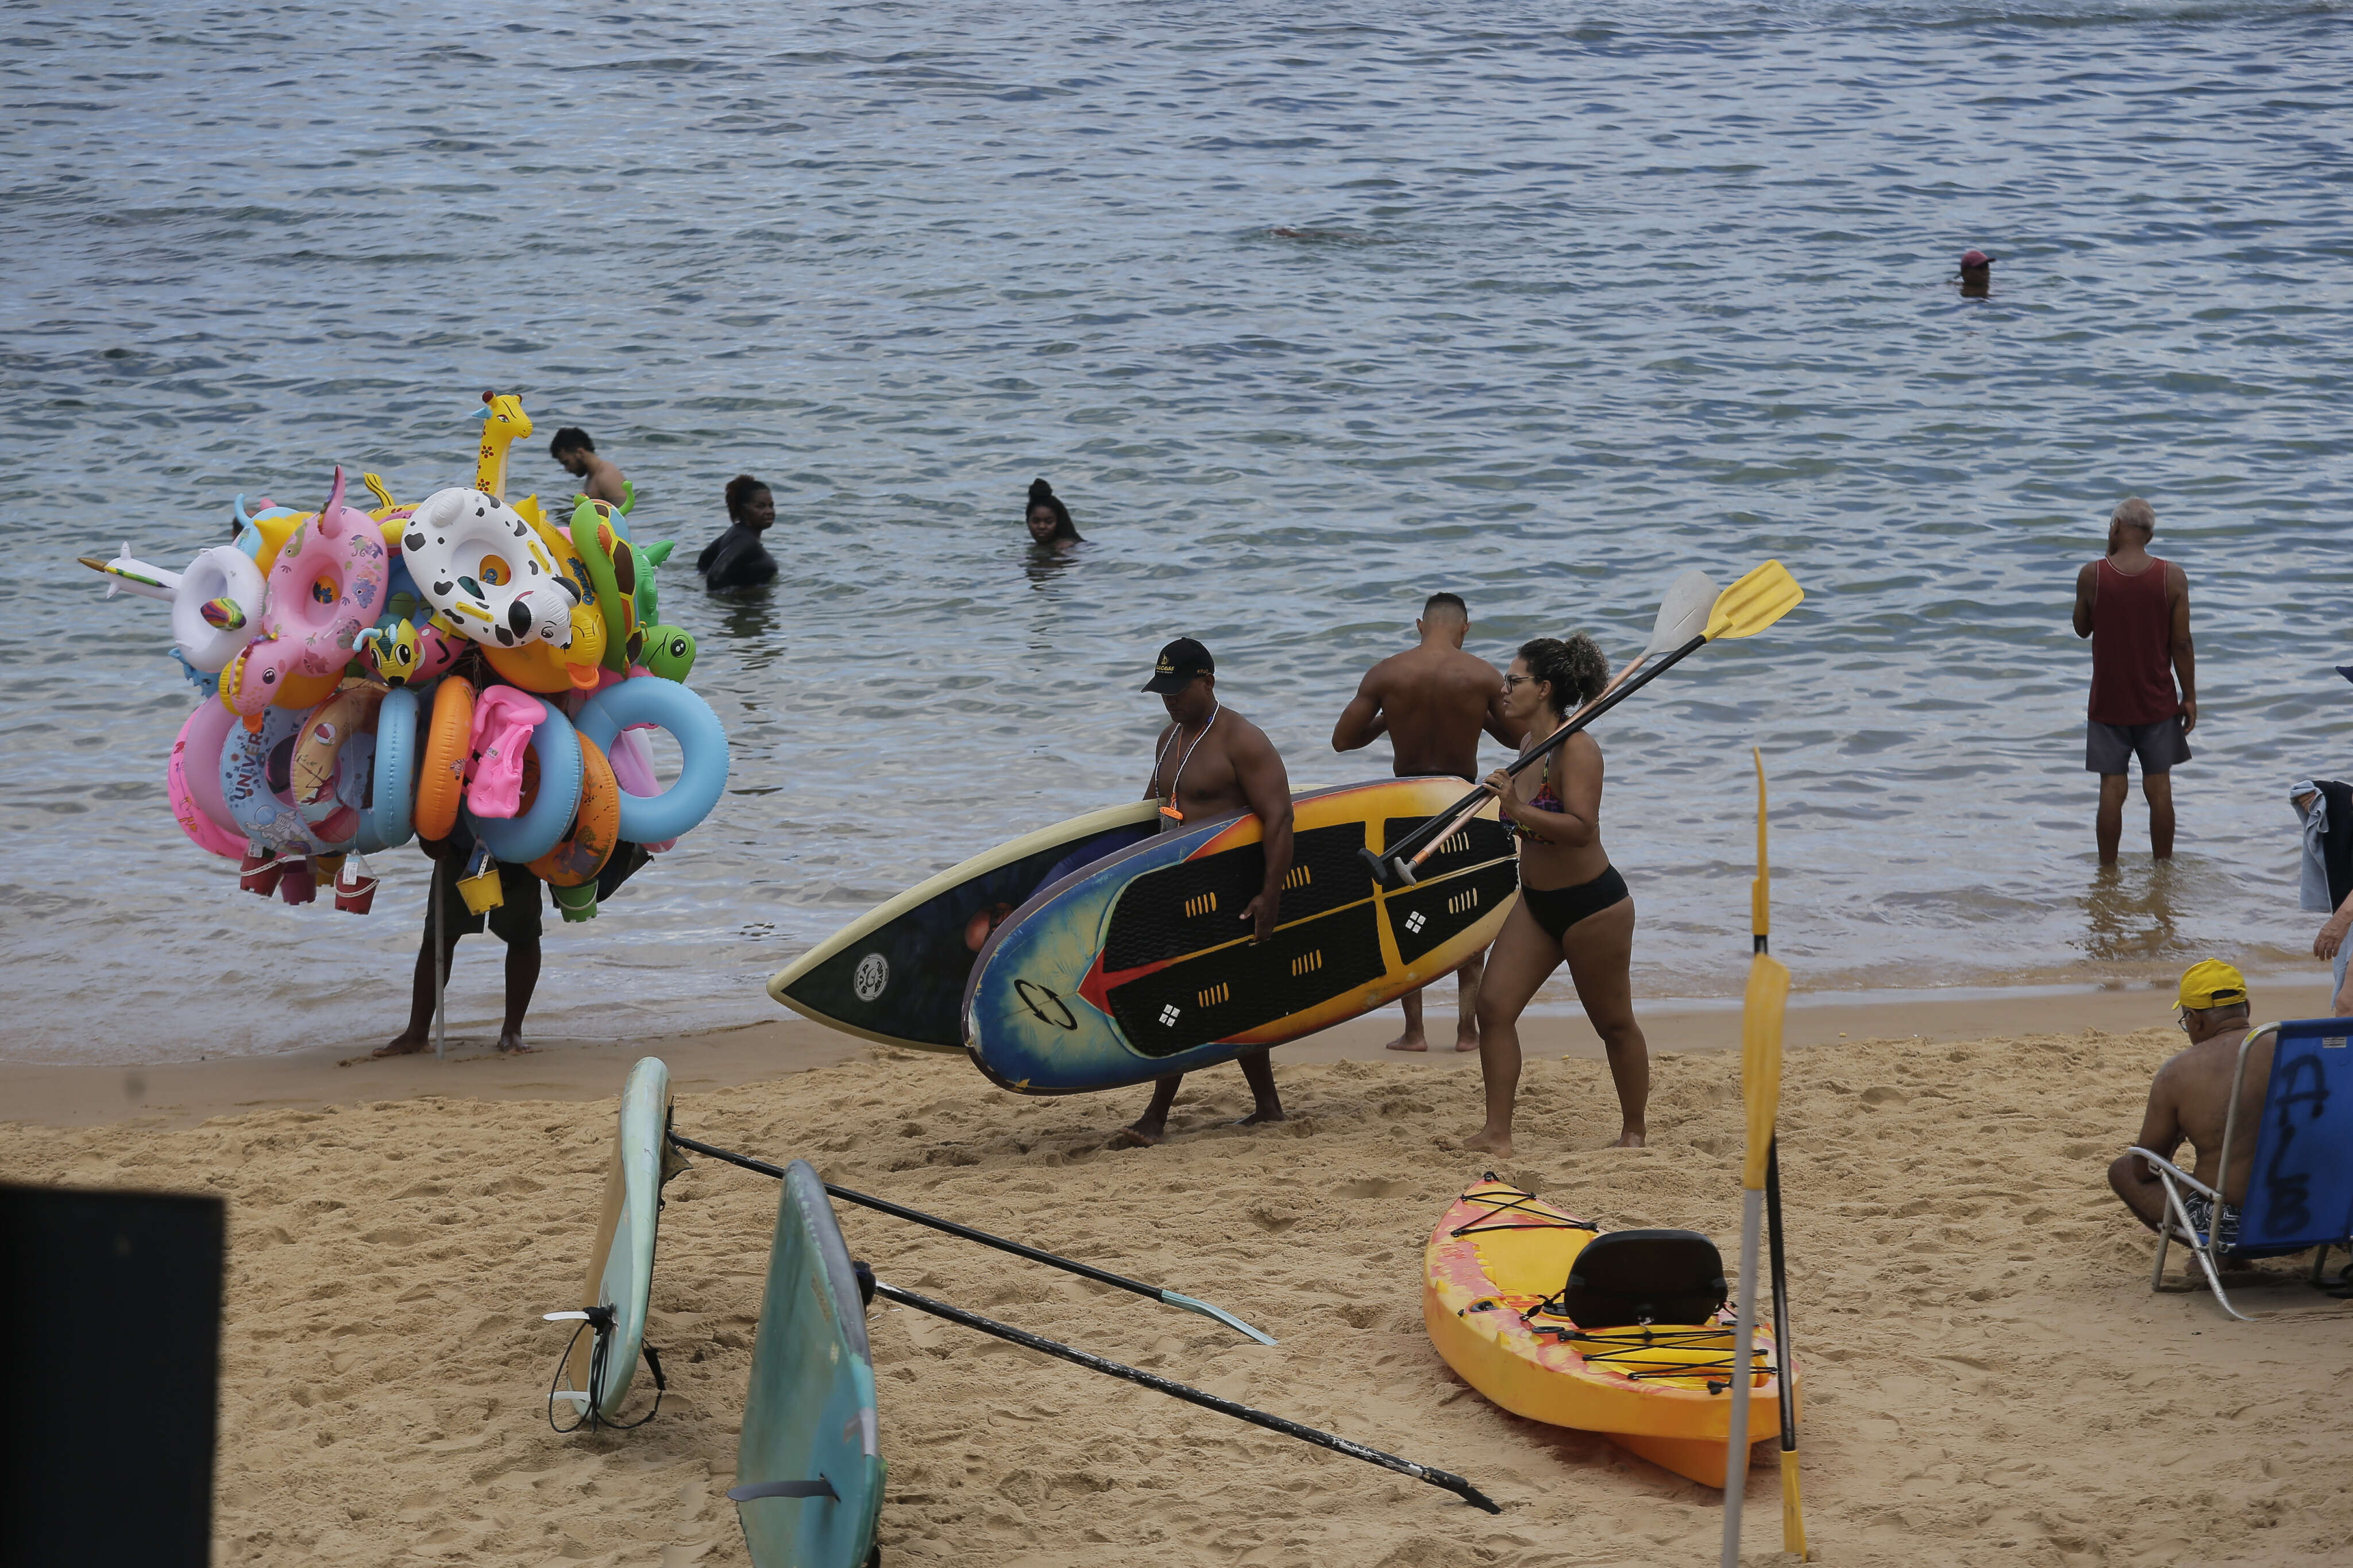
x,y
1558,908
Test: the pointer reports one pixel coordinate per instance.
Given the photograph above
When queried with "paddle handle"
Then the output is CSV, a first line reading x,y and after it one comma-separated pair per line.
x,y
967,1233
1444,1480
1424,834
1793,1518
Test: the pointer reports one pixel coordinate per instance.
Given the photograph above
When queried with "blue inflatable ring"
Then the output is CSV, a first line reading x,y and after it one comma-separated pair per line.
x,y
701,743
392,783
524,838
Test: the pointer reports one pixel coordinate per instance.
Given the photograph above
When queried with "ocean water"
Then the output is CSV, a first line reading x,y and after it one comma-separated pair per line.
x,y
1575,303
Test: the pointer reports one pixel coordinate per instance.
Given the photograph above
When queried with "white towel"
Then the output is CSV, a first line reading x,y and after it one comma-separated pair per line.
x,y
2312,872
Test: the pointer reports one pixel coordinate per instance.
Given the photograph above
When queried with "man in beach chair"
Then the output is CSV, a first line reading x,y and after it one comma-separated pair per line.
x,y
2274,1169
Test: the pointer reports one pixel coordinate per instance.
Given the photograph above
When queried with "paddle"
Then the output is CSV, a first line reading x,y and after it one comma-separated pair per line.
x,y
1444,1480
1683,613
1748,607
1760,1094
1051,1260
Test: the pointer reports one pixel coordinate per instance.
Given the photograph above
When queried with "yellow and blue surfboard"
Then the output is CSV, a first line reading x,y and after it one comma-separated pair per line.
x,y
1141,964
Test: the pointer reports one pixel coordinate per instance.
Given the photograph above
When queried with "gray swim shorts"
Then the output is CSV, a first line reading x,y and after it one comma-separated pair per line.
x,y
2110,748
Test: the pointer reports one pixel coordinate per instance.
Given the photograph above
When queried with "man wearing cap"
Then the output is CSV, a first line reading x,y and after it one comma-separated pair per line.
x,y
2191,1098
1977,274
2135,607
1210,762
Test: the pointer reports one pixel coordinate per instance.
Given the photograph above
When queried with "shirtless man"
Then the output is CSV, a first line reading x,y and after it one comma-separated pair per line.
x,y
2190,1099
1431,702
573,449
1210,761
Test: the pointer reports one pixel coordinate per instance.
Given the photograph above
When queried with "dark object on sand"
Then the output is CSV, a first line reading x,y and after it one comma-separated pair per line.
x,y
115,1300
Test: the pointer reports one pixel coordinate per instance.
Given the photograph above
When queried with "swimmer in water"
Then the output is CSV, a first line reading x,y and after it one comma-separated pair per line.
x,y
1210,761
578,454
1049,520
737,558
1573,903
1977,274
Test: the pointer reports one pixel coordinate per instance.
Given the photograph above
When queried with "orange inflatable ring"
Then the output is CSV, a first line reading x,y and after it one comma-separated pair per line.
x,y
596,829
442,773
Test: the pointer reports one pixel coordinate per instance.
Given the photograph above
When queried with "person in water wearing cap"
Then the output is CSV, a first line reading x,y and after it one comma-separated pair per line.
x,y
1433,701
2135,607
1977,274
1210,762
2191,1098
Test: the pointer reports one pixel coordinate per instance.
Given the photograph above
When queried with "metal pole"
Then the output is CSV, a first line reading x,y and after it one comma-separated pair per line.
x,y
1446,1480
441,966
967,1233
1744,1345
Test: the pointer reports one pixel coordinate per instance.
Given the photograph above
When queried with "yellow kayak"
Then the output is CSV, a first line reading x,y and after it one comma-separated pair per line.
x,y
1625,1334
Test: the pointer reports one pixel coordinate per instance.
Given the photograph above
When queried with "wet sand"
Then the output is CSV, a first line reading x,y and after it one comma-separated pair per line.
x,y
1989,1379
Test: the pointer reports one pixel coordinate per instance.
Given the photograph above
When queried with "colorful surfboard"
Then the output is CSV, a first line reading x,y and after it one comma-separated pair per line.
x,y
1140,965
897,974
809,1467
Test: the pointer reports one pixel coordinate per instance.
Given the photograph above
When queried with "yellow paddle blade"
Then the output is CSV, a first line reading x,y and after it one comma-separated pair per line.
x,y
1760,917
1754,602
1793,1517
1760,1060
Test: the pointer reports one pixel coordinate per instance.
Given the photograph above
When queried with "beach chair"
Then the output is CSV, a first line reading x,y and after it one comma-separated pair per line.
x,y
2300,1190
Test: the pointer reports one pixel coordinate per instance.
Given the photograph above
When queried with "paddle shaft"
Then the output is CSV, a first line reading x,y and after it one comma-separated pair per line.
x,y
1466,812
1435,825
965,1232
1793,1527
1445,1481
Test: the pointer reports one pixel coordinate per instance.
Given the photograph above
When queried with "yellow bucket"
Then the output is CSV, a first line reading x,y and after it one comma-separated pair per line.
x,y
483,893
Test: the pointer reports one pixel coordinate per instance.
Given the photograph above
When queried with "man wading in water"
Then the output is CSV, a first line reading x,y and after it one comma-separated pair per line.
x,y
2136,609
1211,760
1431,702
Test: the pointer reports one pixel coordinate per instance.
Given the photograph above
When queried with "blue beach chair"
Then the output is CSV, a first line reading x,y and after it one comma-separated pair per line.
x,y
2300,1190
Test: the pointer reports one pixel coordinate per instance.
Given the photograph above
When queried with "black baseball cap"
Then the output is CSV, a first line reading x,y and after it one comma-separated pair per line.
x,y
1180,663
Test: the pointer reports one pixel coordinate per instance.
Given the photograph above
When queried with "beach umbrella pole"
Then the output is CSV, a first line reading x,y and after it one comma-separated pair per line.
x,y
440,968
1446,1480
965,1232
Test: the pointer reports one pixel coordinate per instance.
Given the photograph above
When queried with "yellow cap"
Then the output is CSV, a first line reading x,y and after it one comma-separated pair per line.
x,y
2212,984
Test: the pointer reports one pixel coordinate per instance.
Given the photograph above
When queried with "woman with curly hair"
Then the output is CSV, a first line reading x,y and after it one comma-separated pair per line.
x,y
1048,520
1573,906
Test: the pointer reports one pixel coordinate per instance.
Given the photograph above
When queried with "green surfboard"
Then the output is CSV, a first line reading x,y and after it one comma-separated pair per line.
x,y
808,1470
598,1371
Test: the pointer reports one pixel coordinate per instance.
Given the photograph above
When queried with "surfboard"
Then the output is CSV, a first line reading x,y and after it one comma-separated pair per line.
x,y
897,975
808,1467
621,1268
1139,964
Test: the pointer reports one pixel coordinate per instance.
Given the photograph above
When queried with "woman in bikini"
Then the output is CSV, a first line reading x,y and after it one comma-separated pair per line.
x,y
1573,905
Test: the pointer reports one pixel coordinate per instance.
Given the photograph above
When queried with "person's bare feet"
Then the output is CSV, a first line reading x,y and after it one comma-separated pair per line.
x,y
1466,1042
1411,1040
401,1045
511,1043
1137,1137
1631,1138
1261,1117
1485,1142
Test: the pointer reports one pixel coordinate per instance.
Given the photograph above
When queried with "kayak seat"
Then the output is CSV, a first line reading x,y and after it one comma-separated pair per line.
x,y
1624,1278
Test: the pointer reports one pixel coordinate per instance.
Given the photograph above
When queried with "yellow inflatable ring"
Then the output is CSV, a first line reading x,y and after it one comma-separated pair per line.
x,y
449,746
595,830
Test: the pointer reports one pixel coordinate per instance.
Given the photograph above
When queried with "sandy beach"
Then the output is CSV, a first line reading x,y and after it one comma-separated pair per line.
x,y
1989,1379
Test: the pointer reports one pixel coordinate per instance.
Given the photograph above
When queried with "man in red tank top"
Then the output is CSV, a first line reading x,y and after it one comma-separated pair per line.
x,y
2136,609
